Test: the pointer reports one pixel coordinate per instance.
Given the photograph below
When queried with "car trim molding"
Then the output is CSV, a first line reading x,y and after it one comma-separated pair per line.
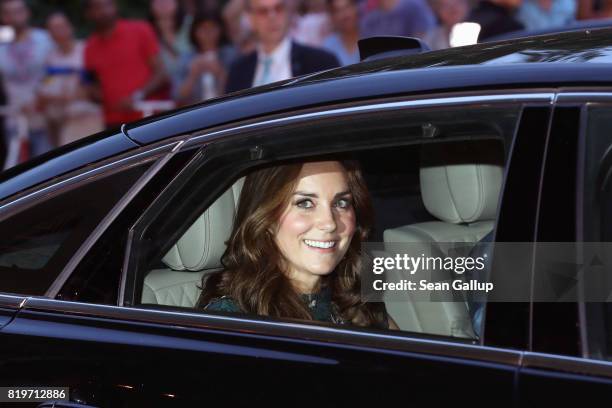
x,y
108,219
570,365
547,97
300,331
12,301
584,97
16,205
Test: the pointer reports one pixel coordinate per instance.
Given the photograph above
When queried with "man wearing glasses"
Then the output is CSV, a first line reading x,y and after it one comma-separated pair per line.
x,y
276,57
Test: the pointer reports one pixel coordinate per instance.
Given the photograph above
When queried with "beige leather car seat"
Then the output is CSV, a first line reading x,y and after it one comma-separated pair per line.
x,y
197,253
460,186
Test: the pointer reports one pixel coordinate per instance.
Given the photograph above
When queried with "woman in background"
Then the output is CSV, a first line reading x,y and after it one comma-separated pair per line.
x,y
449,13
312,23
295,248
204,71
70,115
172,26
343,42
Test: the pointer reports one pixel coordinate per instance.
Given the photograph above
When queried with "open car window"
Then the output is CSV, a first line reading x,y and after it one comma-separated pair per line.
x,y
434,179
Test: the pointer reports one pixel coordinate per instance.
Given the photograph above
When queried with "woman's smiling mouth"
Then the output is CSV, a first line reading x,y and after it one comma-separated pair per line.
x,y
320,244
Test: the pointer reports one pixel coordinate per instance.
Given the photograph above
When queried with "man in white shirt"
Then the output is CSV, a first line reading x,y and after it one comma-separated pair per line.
x,y
277,57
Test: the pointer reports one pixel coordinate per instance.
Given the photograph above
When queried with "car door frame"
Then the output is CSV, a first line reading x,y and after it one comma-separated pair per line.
x,y
551,373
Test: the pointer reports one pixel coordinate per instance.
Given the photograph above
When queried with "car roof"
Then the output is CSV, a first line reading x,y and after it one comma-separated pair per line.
x,y
579,58
579,25
569,59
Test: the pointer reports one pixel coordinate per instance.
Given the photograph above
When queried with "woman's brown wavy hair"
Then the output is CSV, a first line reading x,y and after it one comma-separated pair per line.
x,y
252,276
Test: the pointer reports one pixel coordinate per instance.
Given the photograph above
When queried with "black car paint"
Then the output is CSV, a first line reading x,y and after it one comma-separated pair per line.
x,y
75,156
145,362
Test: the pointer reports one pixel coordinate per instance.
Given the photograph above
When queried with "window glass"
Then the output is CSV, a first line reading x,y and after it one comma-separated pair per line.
x,y
597,228
293,237
36,243
97,277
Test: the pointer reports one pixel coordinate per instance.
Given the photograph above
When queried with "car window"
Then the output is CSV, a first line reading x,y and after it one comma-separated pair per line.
x,y
37,242
434,179
96,278
596,216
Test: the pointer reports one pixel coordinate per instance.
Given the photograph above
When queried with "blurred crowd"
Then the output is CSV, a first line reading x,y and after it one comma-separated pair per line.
x,y
58,88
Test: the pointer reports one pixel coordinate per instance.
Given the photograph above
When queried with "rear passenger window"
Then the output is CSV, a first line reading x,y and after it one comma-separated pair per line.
x,y
36,243
296,237
596,215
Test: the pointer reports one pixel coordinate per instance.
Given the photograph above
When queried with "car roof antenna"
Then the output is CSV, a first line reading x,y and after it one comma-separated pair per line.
x,y
373,48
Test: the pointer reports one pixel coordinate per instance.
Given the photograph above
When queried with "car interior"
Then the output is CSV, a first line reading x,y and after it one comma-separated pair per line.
x,y
423,194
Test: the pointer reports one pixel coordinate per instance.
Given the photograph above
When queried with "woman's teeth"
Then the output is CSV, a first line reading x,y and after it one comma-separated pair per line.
x,y
320,244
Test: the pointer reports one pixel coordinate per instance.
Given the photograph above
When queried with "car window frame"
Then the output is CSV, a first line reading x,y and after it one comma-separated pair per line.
x,y
583,367
156,155
585,100
535,98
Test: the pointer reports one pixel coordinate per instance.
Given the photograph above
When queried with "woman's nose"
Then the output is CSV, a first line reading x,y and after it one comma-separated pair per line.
x,y
326,219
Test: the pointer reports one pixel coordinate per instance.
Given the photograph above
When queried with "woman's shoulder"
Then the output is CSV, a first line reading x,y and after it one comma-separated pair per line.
x,y
223,304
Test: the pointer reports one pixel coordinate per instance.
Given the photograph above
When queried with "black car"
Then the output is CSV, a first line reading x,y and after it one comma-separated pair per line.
x,y
105,243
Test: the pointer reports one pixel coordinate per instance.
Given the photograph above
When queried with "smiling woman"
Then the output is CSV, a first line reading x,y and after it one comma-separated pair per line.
x,y
294,250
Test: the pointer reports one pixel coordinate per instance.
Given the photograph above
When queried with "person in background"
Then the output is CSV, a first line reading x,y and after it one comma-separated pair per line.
x,y
204,71
343,42
189,6
70,116
172,27
408,18
496,17
123,57
594,9
276,57
449,13
542,14
22,65
238,27
312,24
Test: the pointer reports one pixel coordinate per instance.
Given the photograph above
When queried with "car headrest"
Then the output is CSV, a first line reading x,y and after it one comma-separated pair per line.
x,y
460,182
203,244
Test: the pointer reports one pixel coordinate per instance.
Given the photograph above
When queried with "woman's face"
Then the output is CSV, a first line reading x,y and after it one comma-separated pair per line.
x,y
316,227
344,15
59,28
164,8
207,34
451,12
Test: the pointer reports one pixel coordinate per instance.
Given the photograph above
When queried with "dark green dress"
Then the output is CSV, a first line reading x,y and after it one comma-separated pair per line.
x,y
319,304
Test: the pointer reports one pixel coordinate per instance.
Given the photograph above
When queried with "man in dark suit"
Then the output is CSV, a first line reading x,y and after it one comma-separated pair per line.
x,y
277,57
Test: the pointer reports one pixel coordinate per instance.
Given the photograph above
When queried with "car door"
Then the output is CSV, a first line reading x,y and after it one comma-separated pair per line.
x,y
567,361
93,334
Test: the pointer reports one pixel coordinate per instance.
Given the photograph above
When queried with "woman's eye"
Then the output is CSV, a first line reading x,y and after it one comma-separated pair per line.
x,y
343,203
305,204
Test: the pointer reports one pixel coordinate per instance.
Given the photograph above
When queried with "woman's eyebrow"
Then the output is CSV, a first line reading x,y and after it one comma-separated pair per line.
x,y
303,193
314,195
